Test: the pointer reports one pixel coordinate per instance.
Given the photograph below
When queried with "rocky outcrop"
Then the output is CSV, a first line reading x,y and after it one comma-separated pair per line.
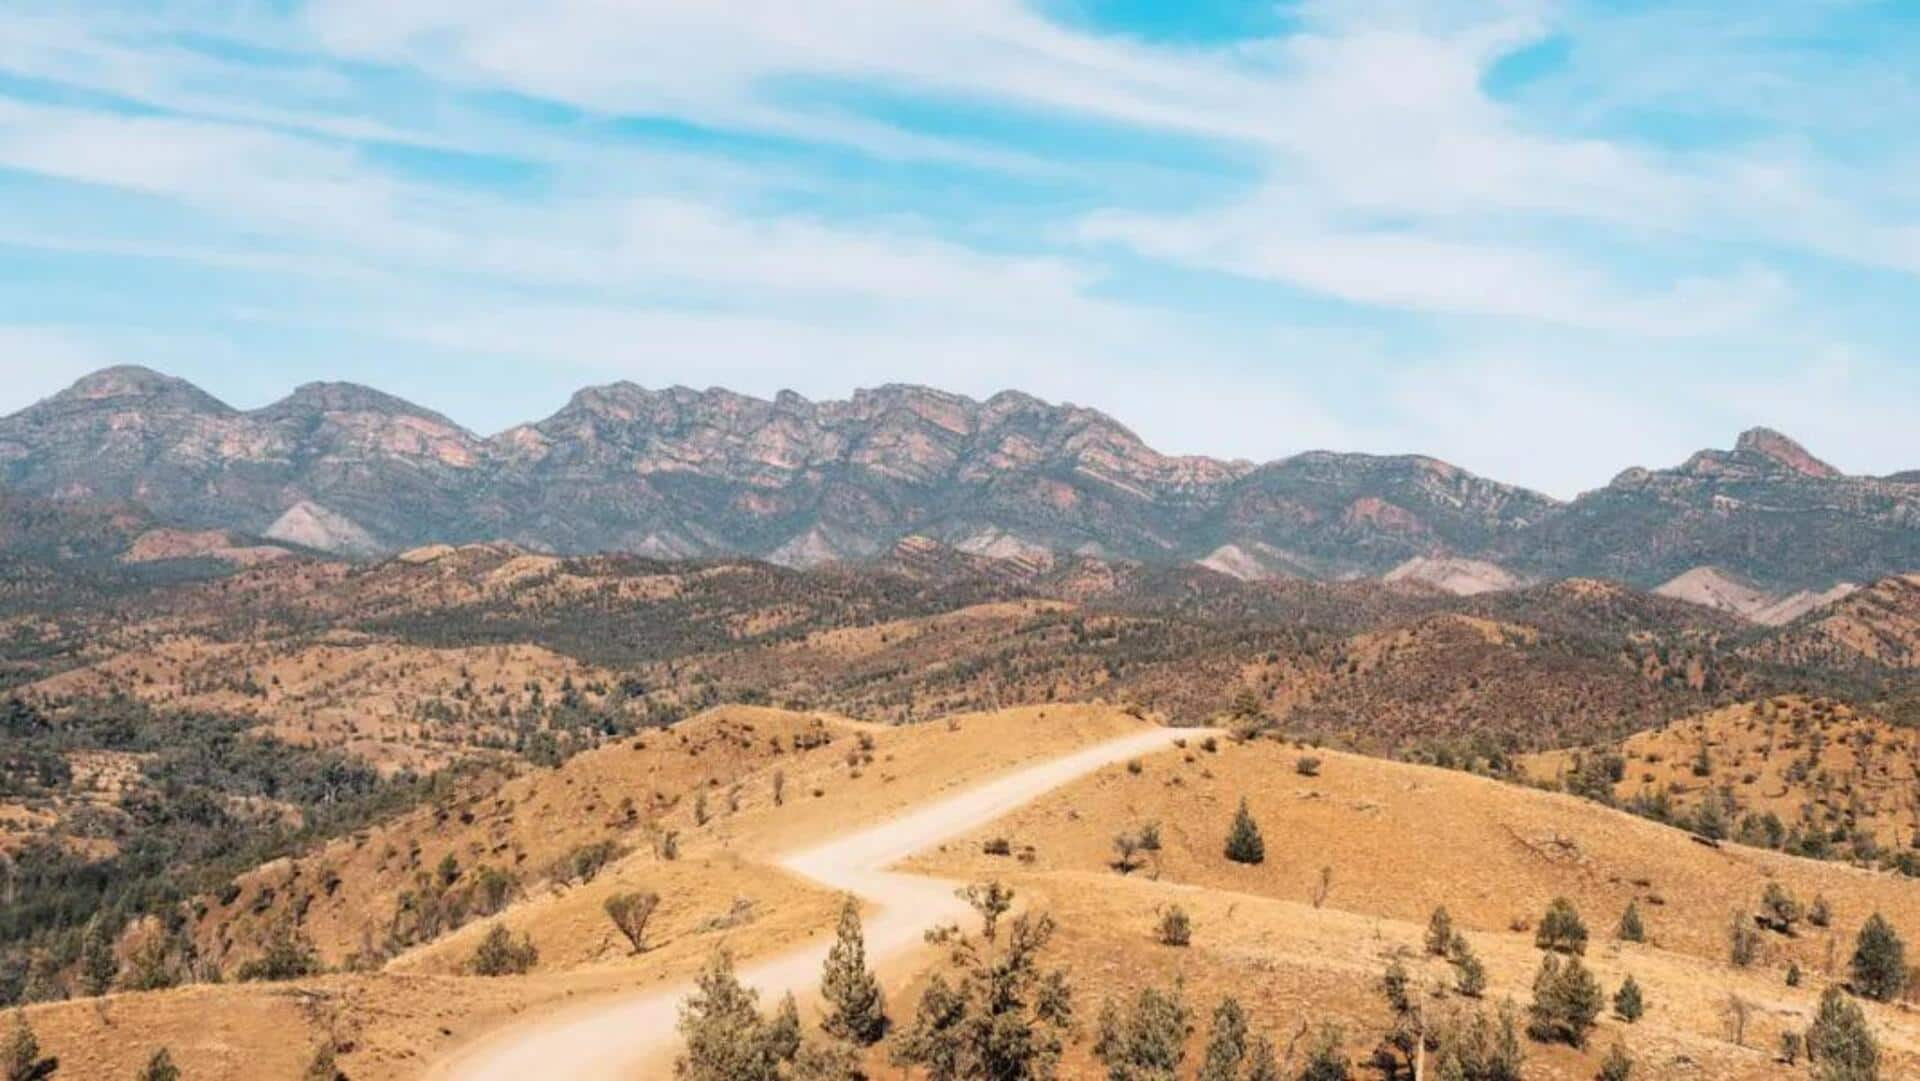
x,y
1766,511
680,473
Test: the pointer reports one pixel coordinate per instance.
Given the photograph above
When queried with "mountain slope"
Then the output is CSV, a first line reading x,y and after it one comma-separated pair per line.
x,y
1767,511
680,473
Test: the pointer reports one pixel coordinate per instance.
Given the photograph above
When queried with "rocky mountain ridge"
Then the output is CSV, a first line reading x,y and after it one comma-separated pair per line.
x,y
680,473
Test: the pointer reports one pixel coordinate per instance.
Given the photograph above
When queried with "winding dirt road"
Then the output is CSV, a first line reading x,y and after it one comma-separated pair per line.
x,y
632,1036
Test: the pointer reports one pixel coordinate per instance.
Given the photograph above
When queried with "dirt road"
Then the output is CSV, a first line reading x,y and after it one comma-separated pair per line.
x,y
629,1037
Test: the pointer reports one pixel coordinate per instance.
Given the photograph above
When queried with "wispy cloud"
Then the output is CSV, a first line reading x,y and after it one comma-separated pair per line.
x,y
1353,232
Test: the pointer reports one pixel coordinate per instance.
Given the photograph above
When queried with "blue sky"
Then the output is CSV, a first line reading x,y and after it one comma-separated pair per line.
x,y
1542,240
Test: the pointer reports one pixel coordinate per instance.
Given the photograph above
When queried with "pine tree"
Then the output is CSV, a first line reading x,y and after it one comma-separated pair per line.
x,y
1628,1003
1631,929
1839,1044
1469,975
98,966
160,1068
1481,1049
1617,1066
1262,1065
1147,1041
1561,929
1243,839
856,1009
1006,1018
1327,1057
20,1053
1879,965
1566,1001
726,1038
1226,1044
1439,932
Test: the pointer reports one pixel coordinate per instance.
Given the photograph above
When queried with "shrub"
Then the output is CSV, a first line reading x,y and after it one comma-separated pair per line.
x,y
1628,1003
1879,965
1778,910
630,913
1743,941
1243,838
324,1066
1149,837
1617,1066
288,956
500,954
1307,766
586,861
160,1068
1631,928
1176,928
1561,929
1819,913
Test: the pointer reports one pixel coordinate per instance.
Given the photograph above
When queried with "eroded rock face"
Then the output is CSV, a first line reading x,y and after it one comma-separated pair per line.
x,y
1767,511
683,473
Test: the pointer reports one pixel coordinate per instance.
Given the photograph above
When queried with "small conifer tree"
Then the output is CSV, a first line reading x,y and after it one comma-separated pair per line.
x,y
1629,1004
1243,838
856,1009
1879,965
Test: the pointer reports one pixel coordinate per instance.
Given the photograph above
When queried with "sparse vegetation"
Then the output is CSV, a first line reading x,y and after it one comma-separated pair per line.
x,y
160,1068
1175,927
500,953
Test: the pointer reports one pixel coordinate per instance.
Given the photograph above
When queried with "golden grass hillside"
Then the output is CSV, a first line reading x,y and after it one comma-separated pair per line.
x,y
1358,855
392,1022
1824,770
1358,852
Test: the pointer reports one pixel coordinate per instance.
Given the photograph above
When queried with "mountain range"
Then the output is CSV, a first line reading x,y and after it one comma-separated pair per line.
x,y
680,473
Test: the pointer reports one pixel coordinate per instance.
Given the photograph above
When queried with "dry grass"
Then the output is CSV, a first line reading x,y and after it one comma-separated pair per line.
x,y
1398,838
